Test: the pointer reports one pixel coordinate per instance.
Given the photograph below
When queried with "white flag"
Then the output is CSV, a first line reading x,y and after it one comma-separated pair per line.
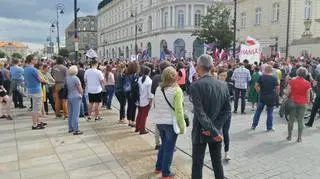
x,y
91,54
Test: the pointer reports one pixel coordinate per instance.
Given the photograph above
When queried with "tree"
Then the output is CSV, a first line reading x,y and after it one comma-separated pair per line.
x,y
64,52
2,54
215,27
16,55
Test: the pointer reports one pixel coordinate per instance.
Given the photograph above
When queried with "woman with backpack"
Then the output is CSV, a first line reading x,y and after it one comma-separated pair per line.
x,y
145,100
131,90
119,78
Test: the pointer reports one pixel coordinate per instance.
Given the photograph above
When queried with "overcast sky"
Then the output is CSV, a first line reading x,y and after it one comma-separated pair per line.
x,y
29,20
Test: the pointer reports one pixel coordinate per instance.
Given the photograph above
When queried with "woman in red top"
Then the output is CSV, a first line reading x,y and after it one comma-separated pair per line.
x,y
299,95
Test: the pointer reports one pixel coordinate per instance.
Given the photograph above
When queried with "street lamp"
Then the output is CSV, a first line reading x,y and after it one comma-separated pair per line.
x,y
76,39
234,28
138,27
60,10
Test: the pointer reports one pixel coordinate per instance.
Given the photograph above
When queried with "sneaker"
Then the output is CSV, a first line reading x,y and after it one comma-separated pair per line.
x,y
43,124
270,130
226,157
38,127
243,113
253,128
235,112
308,125
58,115
171,176
77,133
22,107
144,132
157,147
157,171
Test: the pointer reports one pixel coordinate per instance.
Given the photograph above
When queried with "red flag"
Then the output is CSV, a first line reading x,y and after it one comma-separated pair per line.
x,y
217,54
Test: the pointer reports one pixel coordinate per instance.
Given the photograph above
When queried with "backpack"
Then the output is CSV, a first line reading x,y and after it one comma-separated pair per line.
x,y
131,85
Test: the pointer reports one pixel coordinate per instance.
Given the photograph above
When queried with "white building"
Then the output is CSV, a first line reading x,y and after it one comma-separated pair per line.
x,y
266,20
158,22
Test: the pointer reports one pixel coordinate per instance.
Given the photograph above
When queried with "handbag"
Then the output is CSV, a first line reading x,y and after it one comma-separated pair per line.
x,y
186,117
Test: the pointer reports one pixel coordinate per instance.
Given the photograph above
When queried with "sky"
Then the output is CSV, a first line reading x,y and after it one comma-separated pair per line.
x,y
29,21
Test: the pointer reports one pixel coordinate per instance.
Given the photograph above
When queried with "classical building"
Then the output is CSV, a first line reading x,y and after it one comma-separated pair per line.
x,y
267,21
87,33
151,24
10,47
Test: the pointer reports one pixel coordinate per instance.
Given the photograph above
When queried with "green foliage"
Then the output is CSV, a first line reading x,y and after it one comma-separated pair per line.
x,y
215,27
16,55
64,52
2,54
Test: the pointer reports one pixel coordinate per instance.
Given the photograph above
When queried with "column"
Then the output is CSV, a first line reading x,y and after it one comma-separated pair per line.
x,y
205,10
169,16
174,16
160,24
187,16
192,15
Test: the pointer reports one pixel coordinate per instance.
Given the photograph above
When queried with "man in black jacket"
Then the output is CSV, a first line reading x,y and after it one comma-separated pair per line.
x,y
211,106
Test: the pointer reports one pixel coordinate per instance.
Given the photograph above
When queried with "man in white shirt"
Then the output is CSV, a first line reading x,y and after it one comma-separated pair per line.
x,y
94,81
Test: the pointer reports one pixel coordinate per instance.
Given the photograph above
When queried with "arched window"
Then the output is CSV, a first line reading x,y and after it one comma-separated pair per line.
x,y
180,19
149,49
258,16
165,20
127,52
275,12
198,48
179,48
150,23
307,9
243,20
197,18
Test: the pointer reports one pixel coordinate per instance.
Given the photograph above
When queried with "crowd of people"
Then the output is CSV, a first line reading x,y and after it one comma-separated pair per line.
x,y
156,89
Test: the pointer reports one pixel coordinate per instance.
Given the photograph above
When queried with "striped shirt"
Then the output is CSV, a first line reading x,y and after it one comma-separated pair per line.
x,y
241,77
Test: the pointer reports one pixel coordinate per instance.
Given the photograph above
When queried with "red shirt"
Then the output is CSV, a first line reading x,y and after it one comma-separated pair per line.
x,y
299,88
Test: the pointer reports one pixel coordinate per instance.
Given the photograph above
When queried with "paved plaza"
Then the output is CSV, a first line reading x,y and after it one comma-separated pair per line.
x,y
111,150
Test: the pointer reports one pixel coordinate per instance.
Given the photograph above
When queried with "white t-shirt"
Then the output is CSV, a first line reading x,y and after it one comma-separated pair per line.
x,y
93,78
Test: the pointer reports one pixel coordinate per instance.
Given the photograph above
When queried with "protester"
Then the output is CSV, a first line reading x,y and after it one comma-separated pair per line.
x,y
222,76
253,96
170,122
94,81
316,103
48,89
299,95
17,82
109,86
131,89
208,121
181,78
241,77
84,104
75,93
33,82
5,110
155,83
145,100
268,88
60,73
6,77
119,91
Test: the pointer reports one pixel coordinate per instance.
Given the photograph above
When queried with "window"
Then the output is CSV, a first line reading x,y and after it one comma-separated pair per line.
x,y
180,19
165,20
197,18
307,9
258,16
150,2
150,23
275,12
243,20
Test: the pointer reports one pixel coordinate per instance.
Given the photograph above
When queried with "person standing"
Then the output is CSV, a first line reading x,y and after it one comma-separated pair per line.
x,y
109,80
170,122
241,77
253,96
316,103
17,83
94,82
60,73
48,88
75,93
299,97
268,88
120,92
211,107
33,82
182,76
145,101
84,104
155,83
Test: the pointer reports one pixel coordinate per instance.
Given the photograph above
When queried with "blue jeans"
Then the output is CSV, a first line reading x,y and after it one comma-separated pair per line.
x,y
74,111
257,114
109,95
165,154
84,106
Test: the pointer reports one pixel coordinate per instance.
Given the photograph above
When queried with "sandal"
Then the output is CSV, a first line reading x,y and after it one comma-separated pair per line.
x,y
98,119
77,133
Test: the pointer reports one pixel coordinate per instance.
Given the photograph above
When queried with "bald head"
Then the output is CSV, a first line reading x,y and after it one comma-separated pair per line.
x,y
206,62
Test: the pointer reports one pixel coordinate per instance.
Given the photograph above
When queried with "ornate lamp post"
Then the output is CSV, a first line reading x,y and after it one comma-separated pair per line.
x,y
138,27
60,10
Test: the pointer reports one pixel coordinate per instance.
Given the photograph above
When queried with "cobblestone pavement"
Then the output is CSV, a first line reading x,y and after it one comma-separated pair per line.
x,y
106,150
259,154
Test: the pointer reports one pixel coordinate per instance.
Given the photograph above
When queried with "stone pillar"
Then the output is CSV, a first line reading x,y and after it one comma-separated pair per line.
x,y
187,16
173,16
192,15
169,16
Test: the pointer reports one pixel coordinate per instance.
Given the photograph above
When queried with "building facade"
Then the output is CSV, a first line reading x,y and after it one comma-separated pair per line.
x,y
267,22
151,24
10,47
87,33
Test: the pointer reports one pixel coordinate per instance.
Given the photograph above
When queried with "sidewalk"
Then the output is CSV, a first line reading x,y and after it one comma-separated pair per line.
x,y
106,150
